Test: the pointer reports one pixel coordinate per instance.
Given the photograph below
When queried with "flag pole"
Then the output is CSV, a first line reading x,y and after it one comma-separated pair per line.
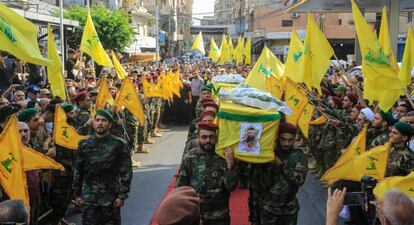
x,y
62,48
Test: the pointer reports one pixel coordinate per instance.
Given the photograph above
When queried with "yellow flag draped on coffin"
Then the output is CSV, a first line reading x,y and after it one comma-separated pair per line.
x,y
91,45
34,160
236,121
296,99
18,36
381,82
215,52
294,56
64,134
128,97
12,176
104,96
407,63
54,70
371,163
404,184
305,119
198,43
120,72
266,66
248,51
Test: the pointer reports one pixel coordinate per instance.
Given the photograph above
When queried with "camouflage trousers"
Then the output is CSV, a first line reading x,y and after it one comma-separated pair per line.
x,y
217,222
132,142
157,115
60,196
142,131
271,219
101,215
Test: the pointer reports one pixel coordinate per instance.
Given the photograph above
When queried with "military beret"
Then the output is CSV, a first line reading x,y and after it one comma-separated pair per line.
x,y
404,128
337,100
106,114
206,100
207,126
27,114
80,96
359,107
212,104
287,128
207,112
206,88
340,88
387,117
67,107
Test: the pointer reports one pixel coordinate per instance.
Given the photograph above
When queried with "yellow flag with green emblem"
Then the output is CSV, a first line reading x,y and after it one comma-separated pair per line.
x,y
198,43
319,121
407,63
151,90
276,86
54,70
64,134
294,57
371,163
215,52
34,160
248,51
266,66
120,72
104,96
238,51
91,45
404,184
305,119
296,99
128,97
385,41
12,175
231,48
18,36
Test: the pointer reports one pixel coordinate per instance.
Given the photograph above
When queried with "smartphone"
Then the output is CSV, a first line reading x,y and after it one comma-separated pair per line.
x,y
355,198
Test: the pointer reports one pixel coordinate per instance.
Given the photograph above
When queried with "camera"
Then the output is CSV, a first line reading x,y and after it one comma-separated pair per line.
x,y
368,184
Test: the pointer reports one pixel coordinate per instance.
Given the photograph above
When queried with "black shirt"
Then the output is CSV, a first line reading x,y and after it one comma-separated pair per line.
x,y
6,73
69,64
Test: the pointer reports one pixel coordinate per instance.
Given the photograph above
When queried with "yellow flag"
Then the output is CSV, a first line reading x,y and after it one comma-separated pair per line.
x,y
178,79
381,81
225,52
296,99
91,45
198,43
305,119
54,70
34,160
128,97
172,85
316,56
18,36
104,96
276,86
64,134
215,52
231,48
404,184
371,163
266,66
319,121
238,52
151,90
384,39
118,67
12,176
247,51
294,57
407,63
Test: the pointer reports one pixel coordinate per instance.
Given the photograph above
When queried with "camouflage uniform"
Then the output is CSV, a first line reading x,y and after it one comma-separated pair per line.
x,y
157,112
143,128
35,143
400,161
131,126
193,128
103,173
207,173
116,129
376,137
273,189
82,116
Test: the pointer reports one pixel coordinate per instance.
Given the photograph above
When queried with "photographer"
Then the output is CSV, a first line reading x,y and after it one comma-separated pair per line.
x,y
395,209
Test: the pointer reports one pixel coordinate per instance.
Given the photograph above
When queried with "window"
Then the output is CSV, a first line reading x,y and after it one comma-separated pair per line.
x,y
287,23
340,22
410,17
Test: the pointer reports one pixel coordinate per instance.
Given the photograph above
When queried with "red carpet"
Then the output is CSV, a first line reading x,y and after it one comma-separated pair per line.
x,y
239,210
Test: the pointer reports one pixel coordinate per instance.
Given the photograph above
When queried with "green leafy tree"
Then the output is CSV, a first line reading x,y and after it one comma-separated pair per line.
x,y
112,27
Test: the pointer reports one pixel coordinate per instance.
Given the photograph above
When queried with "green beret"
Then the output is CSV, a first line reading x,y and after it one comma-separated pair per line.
x,y
27,114
404,128
387,116
206,88
67,107
340,88
105,113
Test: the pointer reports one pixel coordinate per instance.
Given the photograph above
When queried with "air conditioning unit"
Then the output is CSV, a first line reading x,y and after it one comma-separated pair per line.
x,y
295,15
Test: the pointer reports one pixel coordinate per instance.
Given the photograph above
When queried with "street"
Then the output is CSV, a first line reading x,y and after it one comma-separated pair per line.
x,y
158,167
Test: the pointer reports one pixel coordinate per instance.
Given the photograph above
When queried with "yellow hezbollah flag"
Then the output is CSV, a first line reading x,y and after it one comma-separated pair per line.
x,y
248,51
225,52
118,67
231,48
128,97
151,90
404,184
296,99
104,96
215,52
199,44
171,84
319,121
316,56
238,52
164,86
407,63
64,134
178,79
91,45
294,57
305,119
381,81
384,39
276,86
54,70
266,66
12,176
371,163
18,36
34,160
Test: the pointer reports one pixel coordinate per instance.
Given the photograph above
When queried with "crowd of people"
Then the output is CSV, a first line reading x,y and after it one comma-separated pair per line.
x,y
97,176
